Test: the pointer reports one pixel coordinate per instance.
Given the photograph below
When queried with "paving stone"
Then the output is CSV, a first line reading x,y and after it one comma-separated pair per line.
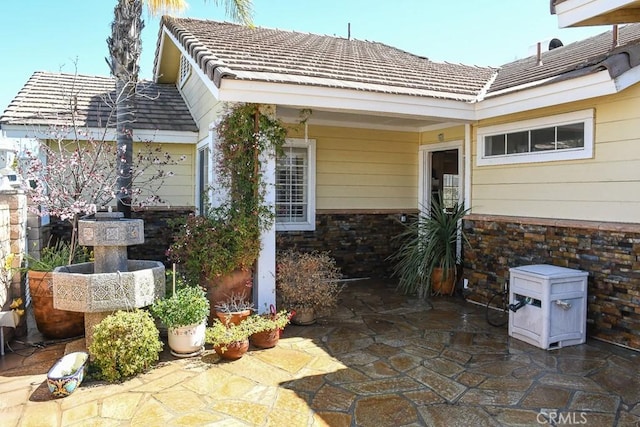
x,y
384,386
517,417
330,419
330,398
344,376
120,406
378,369
287,360
424,397
596,402
151,412
627,420
546,397
470,379
180,400
455,416
491,397
580,366
384,410
619,382
11,416
382,350
281,418
197,418
80,413
257,368
289,400
11,398
46,414
358,358
166,381
570,381
443,367
404,362
442,385
249,412
457,356
506,383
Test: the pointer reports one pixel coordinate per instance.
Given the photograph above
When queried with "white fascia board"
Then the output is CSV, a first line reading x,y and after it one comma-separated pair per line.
x,y
157,136
628,78
590,86
572,12
194,66
343,99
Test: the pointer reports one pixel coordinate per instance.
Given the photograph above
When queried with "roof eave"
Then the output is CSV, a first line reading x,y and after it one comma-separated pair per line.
x,y
576,13
527,97
306,96
156,136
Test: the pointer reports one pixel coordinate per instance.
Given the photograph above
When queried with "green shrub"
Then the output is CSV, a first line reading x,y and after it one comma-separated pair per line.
x,y
125,343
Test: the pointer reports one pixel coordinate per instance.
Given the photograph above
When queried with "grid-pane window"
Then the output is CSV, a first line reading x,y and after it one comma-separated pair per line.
x,y
185,70
566,136
292,183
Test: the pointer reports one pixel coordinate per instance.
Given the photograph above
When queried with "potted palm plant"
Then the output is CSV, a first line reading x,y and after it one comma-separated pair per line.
x,y
184,314
307,283
427,258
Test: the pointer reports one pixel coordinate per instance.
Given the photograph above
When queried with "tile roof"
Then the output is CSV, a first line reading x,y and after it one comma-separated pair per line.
x,y
226,50
48,98
573,60
223,49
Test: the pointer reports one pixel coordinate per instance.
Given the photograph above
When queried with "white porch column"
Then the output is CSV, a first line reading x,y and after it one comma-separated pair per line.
x,y
264,279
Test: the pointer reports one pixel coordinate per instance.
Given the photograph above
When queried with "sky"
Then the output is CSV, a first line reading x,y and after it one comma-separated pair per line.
x,y
70,35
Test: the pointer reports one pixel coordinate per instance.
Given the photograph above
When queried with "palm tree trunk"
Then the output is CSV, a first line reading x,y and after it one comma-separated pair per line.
x,y
125,47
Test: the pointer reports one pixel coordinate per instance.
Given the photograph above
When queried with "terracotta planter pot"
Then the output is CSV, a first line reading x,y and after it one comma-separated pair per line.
x,y
439,286
266,339
220,288
51,322
233,318
187,341
234,351
304,316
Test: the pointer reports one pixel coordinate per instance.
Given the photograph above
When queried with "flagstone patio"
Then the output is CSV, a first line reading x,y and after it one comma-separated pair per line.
x,y
381,360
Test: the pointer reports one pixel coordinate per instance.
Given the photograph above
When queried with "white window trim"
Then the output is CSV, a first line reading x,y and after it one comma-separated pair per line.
x,y
586,152
183,75
310,224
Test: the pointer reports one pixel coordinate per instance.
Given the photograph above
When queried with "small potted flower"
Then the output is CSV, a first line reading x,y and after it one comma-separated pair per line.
x,y
234,309
185,315
230,341
307,283
268,327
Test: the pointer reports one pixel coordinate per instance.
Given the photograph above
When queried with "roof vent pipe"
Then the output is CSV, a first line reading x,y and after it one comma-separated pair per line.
x,y
615,36
539,54
349,31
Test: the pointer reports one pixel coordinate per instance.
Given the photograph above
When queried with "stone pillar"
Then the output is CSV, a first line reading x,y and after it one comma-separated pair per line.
x,y
13,228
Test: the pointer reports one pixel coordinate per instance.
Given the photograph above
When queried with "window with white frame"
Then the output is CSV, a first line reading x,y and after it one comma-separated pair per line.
x,y
561,137
185,70
295,186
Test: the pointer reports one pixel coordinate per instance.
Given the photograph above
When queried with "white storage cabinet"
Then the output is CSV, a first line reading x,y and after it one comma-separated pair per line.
x,y
555,314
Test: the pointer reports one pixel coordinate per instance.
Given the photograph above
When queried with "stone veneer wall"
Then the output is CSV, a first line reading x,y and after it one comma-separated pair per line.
x,y
359,242
609,252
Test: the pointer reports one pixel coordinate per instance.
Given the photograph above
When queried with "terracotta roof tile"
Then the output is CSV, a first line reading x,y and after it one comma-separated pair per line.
x,y
230,50
48,98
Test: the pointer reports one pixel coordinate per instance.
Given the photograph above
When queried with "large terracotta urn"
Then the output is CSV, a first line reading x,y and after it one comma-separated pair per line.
x,y
51,322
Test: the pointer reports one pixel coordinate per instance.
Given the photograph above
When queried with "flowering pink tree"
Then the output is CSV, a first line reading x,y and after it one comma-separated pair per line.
x,y
70,177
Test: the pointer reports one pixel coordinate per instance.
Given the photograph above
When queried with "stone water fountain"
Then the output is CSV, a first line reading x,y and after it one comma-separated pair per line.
x,y
112,282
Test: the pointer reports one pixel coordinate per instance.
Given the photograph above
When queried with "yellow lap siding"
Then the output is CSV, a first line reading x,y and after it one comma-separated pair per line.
x,y
603,188
364,168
